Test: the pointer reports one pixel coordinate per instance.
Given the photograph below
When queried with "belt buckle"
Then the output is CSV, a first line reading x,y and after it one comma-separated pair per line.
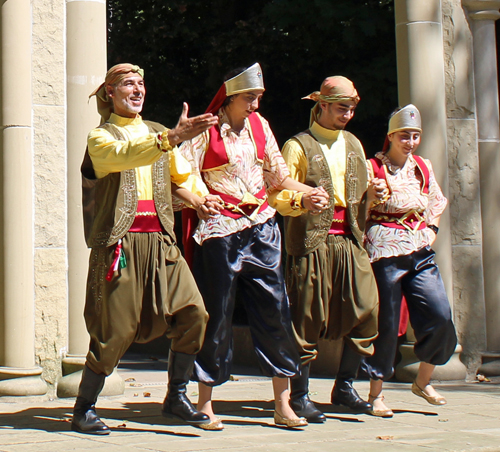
x,y
420,219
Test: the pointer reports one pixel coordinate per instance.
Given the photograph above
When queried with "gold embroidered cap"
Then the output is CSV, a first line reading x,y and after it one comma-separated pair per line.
x,y
406,118
247,80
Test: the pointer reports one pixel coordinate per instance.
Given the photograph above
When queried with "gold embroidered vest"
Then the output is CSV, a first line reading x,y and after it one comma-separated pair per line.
x,y
110,203
305,233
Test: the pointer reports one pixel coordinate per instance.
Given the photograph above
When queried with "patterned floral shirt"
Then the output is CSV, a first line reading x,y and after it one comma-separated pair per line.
x,y
382,241
243,174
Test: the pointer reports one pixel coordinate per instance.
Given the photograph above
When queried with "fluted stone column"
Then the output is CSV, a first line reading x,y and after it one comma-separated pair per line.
x,y
421,81
86,67
483,14
19,376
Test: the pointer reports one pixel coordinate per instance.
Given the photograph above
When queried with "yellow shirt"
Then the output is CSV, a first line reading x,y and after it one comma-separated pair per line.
x,y
333,145
139,151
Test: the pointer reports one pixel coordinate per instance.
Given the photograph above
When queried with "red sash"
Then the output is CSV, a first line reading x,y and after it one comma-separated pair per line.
x,y
146,218
247,209
340,225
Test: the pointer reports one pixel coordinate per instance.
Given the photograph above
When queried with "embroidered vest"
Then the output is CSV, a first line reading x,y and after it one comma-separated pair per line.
x,y
110,203
305,233
216,154
380,171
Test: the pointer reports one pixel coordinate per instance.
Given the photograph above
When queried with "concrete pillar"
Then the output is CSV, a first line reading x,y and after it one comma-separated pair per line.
x,y
421,81
19,376
86,67
483,14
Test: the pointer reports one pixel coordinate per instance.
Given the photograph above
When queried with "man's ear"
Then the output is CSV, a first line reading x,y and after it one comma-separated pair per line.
x,y
110,91
323,106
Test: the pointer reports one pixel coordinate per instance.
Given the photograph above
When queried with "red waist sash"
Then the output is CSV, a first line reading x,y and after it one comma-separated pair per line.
x,y
235,208
340,225
411,220
146,218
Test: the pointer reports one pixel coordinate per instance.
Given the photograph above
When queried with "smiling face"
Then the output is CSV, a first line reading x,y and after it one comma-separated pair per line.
x,y
242,105
403,143
335,116
128,96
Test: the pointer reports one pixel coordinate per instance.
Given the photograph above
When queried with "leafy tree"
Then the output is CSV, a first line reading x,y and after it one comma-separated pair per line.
x,y
186,47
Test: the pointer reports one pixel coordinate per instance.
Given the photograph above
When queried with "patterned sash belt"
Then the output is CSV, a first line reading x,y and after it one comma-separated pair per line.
x,y
340,225
146,218
249,206
412,220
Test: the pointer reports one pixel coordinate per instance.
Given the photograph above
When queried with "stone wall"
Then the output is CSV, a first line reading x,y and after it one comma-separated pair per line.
x,y
464,188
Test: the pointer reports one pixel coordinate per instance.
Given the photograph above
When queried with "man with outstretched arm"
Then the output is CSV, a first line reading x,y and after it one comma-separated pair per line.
x,y
139,287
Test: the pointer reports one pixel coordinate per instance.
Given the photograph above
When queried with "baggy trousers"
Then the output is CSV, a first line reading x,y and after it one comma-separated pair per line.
x,y
333,295
417,277
155,294
248,261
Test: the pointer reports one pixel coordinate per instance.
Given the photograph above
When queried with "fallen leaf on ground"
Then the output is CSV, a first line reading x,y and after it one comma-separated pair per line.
x,y
385,437
146,394
481,377
130,379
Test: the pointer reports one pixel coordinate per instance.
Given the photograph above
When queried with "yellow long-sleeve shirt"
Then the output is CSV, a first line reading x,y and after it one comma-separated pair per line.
x,y
139,151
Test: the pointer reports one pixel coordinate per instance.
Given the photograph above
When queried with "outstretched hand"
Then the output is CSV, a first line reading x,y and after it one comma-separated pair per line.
x,y
188,128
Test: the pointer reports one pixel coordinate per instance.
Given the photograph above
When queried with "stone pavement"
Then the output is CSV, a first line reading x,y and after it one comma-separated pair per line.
x,y
470,421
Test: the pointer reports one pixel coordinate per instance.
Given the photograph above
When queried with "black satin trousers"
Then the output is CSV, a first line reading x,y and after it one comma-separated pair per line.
x,y
417,277
247,262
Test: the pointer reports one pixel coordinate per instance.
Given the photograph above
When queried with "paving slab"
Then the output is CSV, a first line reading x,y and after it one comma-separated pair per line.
x,y
469,422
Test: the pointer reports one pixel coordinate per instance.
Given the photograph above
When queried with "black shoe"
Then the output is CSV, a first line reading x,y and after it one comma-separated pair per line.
x,y
85,419
88,422
180,368
304,407
181,408
344,394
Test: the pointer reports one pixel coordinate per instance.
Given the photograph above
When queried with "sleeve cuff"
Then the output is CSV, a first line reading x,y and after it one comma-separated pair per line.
x,y
296,201
162,141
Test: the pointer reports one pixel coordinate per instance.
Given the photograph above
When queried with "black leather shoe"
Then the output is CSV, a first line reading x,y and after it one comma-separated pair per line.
x,y
88,422
304,407
344,394
179,406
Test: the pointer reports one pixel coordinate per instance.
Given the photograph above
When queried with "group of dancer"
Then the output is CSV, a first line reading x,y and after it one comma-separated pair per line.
x,y
358,239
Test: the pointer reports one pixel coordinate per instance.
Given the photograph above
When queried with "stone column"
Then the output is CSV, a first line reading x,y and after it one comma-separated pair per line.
x,y
19,376
483,14
420,60
86,67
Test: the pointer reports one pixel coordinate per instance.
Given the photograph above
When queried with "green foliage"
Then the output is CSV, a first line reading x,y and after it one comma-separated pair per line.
x,y
186,47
